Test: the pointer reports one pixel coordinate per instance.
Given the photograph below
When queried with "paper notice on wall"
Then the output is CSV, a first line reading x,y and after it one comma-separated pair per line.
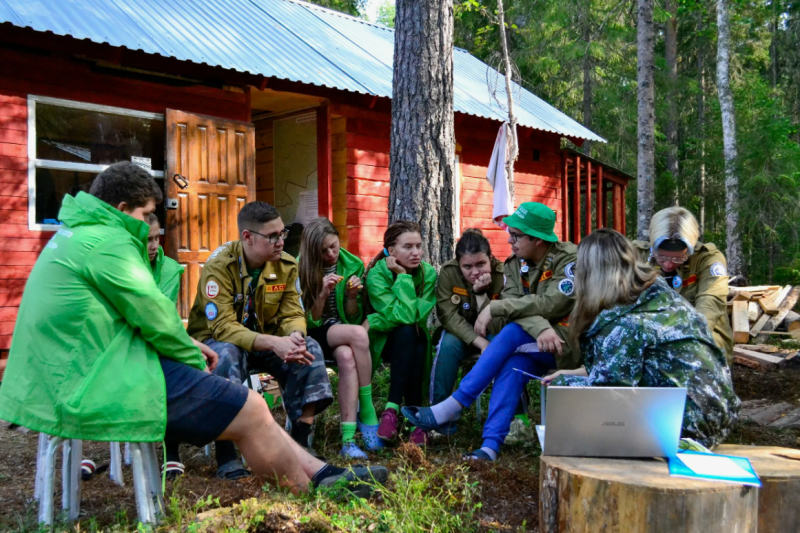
x,y
308,209
143,162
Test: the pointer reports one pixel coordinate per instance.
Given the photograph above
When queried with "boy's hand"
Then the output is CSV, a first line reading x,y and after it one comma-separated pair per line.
x,y
211,357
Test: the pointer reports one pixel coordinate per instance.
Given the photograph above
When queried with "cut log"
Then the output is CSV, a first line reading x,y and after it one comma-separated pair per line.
x,y
743,295
790,318
754,311
741,326
779,470
761,348
746,362
793,326
765,361
758,289
581,494
759,325
786,305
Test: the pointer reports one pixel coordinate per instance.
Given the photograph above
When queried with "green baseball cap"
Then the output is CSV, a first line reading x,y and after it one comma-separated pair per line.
x,y
534,219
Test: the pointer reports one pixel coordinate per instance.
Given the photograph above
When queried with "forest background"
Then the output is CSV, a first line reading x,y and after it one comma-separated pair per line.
x,y
581,57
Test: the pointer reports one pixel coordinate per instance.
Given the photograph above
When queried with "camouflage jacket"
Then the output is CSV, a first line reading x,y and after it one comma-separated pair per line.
x,y
661,341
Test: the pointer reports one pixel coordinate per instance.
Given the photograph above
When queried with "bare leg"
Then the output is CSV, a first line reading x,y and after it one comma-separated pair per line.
x,y
348,382
268,450
357,339
308,413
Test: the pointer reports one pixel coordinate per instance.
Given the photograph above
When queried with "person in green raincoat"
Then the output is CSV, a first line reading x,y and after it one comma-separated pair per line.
x,y
330,277
401,286
166,271
635,331
99,353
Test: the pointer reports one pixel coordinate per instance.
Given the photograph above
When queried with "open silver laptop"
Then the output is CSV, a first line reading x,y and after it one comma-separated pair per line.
x,y
612,421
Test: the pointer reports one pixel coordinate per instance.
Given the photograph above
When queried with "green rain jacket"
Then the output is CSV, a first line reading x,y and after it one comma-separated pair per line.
x,y
84,355
394,300
662,341
167,273
347,266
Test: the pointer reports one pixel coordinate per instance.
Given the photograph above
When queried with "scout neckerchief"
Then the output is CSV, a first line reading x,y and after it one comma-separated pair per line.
x,y
250,317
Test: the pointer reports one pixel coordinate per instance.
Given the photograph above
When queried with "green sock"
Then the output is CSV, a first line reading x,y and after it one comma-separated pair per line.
x,y
348,432
367,410
524,419
390,405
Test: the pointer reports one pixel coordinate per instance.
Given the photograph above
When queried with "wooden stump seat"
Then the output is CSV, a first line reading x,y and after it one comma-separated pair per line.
x,y
581,494
779,495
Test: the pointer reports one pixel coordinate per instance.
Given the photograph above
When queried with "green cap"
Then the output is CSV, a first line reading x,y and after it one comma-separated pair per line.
x,y
534,219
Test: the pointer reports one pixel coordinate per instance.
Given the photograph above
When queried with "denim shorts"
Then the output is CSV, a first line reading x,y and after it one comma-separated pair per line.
x,y
200,406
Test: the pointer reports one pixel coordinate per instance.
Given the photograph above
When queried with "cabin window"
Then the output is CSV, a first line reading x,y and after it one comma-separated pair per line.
x,y
70,143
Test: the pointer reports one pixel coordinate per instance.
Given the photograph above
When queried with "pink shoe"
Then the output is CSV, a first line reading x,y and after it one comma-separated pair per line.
x,y
419,437
387,430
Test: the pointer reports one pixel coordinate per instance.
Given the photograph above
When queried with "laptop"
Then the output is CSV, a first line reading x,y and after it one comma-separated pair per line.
x,y
612,421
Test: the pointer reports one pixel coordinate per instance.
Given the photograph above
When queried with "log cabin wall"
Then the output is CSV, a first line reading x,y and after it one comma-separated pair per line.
x,y
366,193
24,73
265,177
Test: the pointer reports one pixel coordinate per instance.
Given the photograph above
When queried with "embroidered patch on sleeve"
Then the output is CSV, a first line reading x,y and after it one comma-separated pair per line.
x,y
691,280
460,291
547,274
275,288
211,311
212,289
718,269
569,270
566,286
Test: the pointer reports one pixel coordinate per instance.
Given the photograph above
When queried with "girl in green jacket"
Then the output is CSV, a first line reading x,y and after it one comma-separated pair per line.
x,y
331,280
401,292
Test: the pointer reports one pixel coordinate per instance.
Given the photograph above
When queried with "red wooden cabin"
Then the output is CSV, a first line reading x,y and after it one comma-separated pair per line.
x,y
300,92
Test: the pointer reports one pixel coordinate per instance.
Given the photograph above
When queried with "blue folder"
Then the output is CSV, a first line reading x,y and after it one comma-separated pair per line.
x,y
713,467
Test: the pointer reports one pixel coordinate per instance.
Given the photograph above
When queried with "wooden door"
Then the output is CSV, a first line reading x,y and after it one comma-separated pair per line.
x,y
216,157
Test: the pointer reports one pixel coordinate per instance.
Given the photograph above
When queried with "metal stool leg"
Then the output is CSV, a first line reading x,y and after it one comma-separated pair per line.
x,y
144,503
41,455
127,453
115,469
153,479
72,455
48,481
207,450
542,396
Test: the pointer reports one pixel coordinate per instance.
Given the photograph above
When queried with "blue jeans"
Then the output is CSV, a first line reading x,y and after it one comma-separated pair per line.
x,y
497,363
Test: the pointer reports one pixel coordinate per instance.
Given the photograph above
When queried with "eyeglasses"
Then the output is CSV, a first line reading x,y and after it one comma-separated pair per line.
x,y
515,237
273,239
674,260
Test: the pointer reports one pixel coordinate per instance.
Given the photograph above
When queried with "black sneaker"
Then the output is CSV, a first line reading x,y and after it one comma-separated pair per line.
x,y
359,480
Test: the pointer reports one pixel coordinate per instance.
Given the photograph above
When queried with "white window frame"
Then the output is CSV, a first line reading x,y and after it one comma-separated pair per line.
x,y
457,198
34,163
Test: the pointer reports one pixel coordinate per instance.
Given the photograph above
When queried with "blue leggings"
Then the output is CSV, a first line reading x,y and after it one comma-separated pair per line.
x,y
497,363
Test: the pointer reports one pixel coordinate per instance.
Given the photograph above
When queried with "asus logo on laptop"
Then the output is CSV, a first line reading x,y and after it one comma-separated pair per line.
x,y
616,424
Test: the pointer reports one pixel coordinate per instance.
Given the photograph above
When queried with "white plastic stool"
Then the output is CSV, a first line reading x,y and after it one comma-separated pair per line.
x,y
146,480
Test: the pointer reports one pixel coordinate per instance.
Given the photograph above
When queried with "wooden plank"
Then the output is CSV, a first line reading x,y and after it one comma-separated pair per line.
x,y
754,290
759,325
768,304
786,305
741,326
15,272
762,348
8,314
743,295
753,311
5,342
746,362
765,361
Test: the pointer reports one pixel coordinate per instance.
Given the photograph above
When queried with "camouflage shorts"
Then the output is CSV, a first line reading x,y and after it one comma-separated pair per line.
x,y
300,385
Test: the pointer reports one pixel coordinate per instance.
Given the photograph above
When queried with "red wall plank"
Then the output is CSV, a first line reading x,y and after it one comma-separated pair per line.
x,y
368,188
367,218
13,150
22,245
10,299
8,216
5,342
14,189
8,314
366,157
14,163
13,136
367,172
15,272
14,123
6,328
14,110
18,258
14,203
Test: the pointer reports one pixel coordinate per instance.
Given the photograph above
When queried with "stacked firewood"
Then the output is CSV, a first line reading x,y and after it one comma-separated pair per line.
x,y
758,312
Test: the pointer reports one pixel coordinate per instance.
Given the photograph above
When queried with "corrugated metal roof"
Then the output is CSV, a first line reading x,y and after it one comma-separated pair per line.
x,y
287,39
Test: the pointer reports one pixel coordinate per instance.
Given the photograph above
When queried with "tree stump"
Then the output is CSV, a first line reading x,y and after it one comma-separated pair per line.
x,y
779,496
581,494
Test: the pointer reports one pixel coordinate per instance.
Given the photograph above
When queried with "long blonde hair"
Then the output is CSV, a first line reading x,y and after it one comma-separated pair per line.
x,y
607,274
311,262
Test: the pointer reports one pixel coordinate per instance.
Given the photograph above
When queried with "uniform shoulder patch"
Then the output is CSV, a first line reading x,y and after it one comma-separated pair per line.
x,y
211,311
718,269
566,286
569,270
212,289
460,291
547,274
216,252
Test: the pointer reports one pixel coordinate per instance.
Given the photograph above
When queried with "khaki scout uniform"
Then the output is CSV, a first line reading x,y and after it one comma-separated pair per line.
x,y
457,304
457,308
541,296
703,281
219,313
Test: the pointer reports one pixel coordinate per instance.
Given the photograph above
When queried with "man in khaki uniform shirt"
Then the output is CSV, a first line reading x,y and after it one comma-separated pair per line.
x,y
697,271
248,310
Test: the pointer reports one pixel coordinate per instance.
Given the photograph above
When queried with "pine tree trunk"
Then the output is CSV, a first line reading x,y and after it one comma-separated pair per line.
x,y
736,265
646,124
701,120
422,157
671,53
587,71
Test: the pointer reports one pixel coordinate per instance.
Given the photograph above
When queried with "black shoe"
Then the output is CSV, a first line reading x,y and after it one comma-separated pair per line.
x,y
359,480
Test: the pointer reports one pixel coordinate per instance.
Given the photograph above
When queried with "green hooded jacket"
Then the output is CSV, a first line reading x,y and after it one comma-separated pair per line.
x,y
84,355
662,341
167,273
394,300
348,265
